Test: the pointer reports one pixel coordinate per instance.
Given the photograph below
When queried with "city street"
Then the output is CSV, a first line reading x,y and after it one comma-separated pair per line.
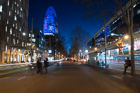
x,y
70,77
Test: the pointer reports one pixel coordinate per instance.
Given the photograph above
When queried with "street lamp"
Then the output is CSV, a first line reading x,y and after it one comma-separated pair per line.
x,y
126,37
95,48
80,53
50,51
86,51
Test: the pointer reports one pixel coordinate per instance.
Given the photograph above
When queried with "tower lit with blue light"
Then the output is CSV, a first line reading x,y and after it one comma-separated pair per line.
x,y
50,26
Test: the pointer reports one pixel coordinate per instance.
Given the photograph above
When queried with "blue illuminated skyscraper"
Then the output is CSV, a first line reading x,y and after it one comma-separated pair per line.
x,y
50,26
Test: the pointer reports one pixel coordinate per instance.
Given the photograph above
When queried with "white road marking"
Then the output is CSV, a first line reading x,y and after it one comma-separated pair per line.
x,y
21,78
4,78
117,76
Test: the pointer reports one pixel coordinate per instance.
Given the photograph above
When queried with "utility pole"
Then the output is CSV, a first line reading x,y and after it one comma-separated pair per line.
x,y
31,40
105,43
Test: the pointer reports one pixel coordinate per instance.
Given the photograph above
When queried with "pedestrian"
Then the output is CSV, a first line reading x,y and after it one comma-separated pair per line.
x,y
38,66
46,64
126,64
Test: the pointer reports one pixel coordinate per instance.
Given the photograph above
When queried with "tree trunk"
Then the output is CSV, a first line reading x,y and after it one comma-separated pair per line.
x,y
132,51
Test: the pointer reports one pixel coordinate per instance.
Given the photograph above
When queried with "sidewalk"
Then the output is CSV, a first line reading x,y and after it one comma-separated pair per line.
x,y
13,70
119,68
6,69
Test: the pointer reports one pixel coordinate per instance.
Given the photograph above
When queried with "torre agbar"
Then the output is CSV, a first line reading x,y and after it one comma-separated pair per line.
x,y
13,30
117,42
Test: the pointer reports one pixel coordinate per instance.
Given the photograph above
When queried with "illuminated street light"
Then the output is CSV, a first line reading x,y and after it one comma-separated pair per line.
x,y
126,37
112,34
50,51
95,48
86,51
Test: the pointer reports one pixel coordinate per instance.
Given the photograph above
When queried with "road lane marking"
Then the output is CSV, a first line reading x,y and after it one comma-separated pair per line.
x,y
21,78
117,77
4,78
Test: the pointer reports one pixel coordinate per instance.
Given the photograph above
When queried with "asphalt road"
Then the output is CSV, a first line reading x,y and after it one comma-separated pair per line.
x,y
69,77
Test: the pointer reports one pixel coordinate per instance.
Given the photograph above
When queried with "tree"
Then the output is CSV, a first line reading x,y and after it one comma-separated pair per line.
x,y
119,8
61,45
78,38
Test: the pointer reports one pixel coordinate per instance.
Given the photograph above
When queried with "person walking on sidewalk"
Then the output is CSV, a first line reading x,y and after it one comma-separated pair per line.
x,y
46,64
126,64
39,65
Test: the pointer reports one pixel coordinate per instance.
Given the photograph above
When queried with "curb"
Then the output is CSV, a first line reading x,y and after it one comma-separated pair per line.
x,y
12,72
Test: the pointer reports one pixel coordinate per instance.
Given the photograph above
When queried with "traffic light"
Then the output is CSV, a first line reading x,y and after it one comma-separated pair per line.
x,y
120,45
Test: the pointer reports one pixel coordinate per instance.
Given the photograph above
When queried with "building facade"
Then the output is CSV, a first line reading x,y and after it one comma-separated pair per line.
x,y
38,43
117,46
13,30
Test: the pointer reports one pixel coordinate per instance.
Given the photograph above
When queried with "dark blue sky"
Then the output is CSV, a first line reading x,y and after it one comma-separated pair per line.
x,y
68,15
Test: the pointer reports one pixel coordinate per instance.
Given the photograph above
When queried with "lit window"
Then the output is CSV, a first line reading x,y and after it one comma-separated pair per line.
x,y
15,3
29,35
18,35
17,12
12,6
13,24
20,28
7,21
14,42
32,35
15,18
34,40
20,0
10,30
9,13
33,44
0,8
138,11
8,3
22,43
6,28
7,39
20,14
19,50
21,8
17,41
6,48
16,25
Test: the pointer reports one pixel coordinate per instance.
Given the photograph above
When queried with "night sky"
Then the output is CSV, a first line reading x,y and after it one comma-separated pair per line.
x,y
69,16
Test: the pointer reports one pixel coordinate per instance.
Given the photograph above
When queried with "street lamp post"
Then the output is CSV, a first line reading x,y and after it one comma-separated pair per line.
x,y
31,40
80,54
